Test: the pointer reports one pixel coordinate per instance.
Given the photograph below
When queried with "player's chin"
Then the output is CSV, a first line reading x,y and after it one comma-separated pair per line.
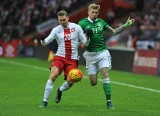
x,y
94,18
64,25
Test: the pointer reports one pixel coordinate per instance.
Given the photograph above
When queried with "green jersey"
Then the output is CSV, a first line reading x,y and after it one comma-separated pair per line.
x,y
97,42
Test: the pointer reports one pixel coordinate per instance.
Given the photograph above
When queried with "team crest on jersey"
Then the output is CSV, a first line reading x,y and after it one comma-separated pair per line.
x,y
99,25
88,27
73,30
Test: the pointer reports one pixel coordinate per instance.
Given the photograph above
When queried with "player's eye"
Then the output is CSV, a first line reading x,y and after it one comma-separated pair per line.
x,y
62,20
94,12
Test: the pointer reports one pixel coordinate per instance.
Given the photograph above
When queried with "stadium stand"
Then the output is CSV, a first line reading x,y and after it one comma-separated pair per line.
x,y
18,18
146,27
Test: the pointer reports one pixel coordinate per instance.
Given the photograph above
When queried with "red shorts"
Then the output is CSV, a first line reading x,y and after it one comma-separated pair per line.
x,y
64,64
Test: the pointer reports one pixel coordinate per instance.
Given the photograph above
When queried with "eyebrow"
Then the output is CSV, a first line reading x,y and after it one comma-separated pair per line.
x,y
62,20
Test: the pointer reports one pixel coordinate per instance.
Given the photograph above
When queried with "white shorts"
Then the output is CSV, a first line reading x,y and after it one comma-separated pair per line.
x,y
97,60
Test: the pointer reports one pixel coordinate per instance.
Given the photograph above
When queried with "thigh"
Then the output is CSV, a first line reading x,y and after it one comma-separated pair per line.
x,y
69,65
54,73
90,58
59,64
104,63
105,59
92,69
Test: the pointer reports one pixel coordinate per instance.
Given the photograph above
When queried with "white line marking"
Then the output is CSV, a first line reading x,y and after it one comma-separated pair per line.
x,y
45,69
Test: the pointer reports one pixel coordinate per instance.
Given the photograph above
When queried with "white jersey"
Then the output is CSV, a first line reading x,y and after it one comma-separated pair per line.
x,y
67,40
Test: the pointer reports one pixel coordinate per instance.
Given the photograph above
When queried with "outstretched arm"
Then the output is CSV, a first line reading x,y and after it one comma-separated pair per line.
x,y
46,40
121,28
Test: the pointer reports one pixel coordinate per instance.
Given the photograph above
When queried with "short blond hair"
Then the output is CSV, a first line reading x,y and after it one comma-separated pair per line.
x,y
94,6
62,13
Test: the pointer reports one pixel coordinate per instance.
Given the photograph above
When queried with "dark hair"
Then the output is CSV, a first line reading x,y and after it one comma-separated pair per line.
x,y
62,13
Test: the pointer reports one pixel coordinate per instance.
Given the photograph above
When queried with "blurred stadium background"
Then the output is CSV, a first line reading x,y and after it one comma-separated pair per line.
x,y
21,23
24,66
137,47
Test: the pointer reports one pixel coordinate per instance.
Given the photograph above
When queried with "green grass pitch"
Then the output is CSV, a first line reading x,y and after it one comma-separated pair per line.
x,y
22,82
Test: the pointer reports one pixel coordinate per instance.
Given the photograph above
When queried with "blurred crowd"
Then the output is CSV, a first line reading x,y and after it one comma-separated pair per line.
x,y
146,27
19,17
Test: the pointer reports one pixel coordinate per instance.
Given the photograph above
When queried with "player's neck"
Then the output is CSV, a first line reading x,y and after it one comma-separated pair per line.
x,y
66,26
91,20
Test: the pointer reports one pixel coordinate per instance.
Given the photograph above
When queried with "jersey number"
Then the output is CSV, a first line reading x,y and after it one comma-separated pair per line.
x,y
67,37
95,30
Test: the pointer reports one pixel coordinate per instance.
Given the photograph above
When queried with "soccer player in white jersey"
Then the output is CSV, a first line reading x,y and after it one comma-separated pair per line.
x,y
67,35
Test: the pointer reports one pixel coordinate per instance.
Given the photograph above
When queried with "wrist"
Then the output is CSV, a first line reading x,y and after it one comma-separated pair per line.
x,y
128,24
125,25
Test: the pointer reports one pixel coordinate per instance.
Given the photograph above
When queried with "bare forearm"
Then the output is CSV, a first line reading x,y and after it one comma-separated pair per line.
x,y
119,30
115,31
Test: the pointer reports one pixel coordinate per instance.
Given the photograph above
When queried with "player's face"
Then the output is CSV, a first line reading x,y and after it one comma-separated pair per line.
x,y
63,21
93,14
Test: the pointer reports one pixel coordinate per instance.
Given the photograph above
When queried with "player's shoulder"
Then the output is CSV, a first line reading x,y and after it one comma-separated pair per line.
x,y
73,25
83,20
99,19
56,27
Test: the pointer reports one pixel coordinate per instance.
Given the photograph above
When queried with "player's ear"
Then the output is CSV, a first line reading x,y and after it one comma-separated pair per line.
x,y
88,11
58,19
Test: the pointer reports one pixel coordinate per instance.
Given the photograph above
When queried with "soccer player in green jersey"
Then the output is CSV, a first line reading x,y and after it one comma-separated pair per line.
x,y
96,55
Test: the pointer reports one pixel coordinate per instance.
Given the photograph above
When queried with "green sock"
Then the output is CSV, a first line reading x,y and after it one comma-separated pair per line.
x,y
107,90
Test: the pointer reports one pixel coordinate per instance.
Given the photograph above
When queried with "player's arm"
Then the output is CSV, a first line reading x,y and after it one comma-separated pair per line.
x,y
42,38
85,38
121,28
115,31
46,40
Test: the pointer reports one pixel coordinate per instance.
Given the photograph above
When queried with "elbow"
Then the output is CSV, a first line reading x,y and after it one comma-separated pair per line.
x,y
114,33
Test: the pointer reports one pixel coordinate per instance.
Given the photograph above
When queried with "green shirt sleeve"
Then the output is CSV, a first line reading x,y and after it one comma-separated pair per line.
x,y
81,24
106,26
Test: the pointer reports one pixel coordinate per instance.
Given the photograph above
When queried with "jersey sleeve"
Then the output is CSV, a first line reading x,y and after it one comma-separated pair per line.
x,y
106,26
82,36
50,38
81,24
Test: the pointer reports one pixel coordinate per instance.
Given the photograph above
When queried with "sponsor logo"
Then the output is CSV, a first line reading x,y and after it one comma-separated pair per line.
x,y
9,51
151,62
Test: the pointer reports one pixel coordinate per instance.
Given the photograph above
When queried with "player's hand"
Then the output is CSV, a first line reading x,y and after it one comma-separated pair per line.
x,y
43,36
129,23
89,32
